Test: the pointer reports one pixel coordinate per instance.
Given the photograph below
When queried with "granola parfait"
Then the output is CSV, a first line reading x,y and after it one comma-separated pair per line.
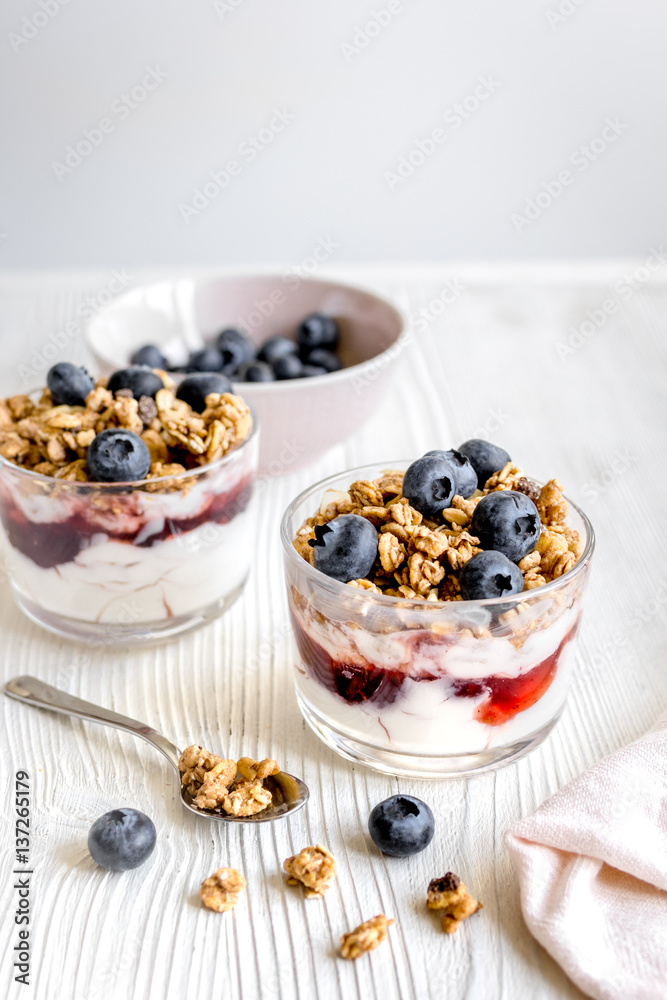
x,y
126,502
435,606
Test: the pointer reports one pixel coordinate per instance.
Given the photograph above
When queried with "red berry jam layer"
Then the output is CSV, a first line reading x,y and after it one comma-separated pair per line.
x,y
124,517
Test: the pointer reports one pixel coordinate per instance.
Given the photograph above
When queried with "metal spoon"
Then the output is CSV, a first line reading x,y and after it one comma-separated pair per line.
x,y
289,793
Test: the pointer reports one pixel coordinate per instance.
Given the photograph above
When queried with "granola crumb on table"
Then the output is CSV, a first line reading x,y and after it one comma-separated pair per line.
x,y
450,896
365,937
420,559
234,787
221,890
314,868
53,440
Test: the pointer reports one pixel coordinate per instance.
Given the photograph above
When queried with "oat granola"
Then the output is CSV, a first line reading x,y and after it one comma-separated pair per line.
x,y
54,439
221,890
314,868
365,937
421,559
449,895
234,787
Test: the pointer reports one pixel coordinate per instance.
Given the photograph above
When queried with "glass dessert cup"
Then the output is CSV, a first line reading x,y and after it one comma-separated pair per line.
x,y
429,689
129,563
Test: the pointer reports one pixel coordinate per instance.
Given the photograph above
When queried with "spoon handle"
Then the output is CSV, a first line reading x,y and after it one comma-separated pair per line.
x,y
35,692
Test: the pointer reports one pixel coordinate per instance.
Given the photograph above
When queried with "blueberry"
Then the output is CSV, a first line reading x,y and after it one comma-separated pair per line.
x,y
150,355
490,574
208,359
236,347
324,359
401,825
122,839
309,371
429,484
139,379
508,522
317,330
289,366
118,456
345,548
255,371
485,458
194,389
276,347
68,384
466,477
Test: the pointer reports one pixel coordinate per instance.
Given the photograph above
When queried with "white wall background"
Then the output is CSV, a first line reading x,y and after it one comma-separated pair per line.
x,y
561,68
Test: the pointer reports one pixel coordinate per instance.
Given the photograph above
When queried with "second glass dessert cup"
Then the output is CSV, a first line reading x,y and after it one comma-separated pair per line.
x,y
130,563
429,689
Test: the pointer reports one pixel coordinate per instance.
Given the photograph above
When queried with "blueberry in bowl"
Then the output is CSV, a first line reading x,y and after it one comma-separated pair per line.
x,y
427,647
303,412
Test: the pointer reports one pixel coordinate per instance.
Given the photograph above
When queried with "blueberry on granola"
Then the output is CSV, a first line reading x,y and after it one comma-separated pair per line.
x,y
430,484
490,574
485,458
139,379
149,355
466,477
194,389
122,839
345,548
317,330
401,825
69,384
117,455
508,522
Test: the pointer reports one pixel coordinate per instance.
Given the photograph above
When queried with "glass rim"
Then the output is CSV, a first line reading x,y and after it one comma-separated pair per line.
x,y
92,484
387,600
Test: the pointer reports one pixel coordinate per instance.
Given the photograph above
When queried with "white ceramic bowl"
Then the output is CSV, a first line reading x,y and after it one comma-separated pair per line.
x,y
300,418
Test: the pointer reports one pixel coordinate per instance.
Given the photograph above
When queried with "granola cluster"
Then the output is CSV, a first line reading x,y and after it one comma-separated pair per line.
x,y
221,890
54,440
365,937
314,868
449,896
219,785
421,559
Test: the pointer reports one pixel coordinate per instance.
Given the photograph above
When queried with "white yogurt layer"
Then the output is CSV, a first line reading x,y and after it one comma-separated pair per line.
x,y
426,717
116,582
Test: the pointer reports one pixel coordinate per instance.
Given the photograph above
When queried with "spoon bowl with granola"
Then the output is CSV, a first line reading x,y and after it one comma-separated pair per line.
x,y
243,791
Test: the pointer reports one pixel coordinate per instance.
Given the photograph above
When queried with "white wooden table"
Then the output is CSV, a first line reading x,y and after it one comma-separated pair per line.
x,y
487,364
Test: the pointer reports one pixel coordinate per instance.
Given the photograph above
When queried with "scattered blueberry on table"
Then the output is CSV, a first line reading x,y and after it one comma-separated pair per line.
x,y
122,839
401,825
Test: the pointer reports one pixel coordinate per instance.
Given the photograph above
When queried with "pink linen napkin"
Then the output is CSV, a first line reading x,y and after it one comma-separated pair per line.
x,y
592,867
